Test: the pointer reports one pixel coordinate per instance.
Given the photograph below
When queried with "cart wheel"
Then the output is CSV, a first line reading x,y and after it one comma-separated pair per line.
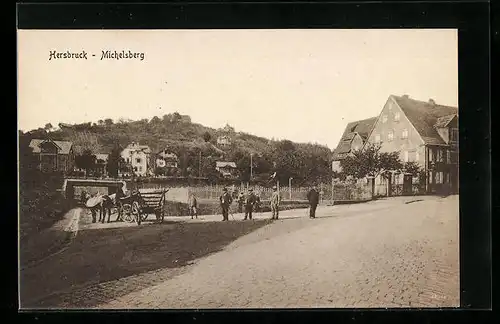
x,y
127,213
136,212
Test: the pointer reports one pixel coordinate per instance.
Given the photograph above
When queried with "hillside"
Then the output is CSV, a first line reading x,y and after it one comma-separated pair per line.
x,y
188,140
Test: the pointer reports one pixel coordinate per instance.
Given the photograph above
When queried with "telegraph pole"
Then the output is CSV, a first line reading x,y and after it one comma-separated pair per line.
x,y
199,167
251,166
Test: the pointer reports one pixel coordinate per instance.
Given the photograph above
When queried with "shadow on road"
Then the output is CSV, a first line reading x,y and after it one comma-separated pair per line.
x,y
109,254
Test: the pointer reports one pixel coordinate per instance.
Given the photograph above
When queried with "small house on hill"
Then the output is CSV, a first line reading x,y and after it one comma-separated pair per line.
x,y
227,169
166,159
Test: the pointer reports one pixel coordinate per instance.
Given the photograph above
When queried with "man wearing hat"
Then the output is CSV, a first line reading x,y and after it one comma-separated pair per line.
x,y
225,202
313,198
275,203
249,203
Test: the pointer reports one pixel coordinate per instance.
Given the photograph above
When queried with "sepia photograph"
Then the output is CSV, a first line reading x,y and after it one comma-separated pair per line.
x,y
238,168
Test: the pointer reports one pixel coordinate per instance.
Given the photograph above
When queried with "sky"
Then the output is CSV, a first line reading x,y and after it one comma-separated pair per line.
x,y
301,85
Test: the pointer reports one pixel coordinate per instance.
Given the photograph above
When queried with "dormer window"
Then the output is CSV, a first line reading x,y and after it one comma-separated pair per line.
x,y
397,116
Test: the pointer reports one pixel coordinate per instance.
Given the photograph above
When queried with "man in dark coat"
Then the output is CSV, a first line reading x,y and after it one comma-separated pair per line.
x,y
313,197
249,204
225,202
241,202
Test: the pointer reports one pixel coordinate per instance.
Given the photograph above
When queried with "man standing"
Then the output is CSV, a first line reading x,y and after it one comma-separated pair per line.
x,y
241,202
249,203
313,198
225,202
193,206
275,203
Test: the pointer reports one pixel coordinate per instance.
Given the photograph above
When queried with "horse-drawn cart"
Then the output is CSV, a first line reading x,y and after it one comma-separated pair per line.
x,y
141,203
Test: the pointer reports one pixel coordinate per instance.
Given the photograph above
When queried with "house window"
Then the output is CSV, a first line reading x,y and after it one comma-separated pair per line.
x,y
431,178
397,116
138,160
454,135
404,134
417,156
439,155
448,156
377,138
384,118
390,136
439,177
139,168
431,155
406,156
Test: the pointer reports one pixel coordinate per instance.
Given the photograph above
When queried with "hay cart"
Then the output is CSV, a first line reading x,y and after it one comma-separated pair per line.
x,y
141,203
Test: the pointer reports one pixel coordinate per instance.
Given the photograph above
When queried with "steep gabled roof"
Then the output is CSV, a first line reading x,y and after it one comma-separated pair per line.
x,y
64,146
360,127
424,116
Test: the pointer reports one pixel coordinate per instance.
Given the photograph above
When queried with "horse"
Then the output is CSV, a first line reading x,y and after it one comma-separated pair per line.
x,y
103,207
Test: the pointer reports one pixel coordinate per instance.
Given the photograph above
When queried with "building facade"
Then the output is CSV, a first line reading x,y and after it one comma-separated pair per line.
x,y
227,169
53,156
138,157
353,139
422,132
101,164
167,159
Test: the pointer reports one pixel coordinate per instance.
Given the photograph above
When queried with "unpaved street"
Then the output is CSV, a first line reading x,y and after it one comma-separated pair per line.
x,y
388,253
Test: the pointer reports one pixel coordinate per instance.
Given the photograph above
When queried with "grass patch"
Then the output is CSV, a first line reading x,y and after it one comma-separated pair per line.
x,y
109,254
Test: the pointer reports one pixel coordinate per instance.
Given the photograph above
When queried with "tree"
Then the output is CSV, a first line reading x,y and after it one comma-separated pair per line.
x,y
108,121
155,120
370,162
176,117
207,137
86,161
114,161
100,122
412,168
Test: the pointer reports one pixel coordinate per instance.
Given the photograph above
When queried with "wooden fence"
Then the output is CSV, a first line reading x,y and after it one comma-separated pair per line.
x,y
328,193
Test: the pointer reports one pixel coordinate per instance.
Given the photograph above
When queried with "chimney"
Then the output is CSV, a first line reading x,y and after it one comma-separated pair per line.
x,y
432,102
406,96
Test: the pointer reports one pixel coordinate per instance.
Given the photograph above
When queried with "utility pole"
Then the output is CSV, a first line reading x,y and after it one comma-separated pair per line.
x,y
290,187
199,167
251,166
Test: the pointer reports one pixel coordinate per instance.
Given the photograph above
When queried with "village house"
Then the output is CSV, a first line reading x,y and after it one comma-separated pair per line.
x,y
225,136
353,139
227,169
137,156
53,155
101,163
166,159
224,140
422,132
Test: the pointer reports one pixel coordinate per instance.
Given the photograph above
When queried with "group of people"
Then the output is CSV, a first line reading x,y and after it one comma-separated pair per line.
x,y
250,202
